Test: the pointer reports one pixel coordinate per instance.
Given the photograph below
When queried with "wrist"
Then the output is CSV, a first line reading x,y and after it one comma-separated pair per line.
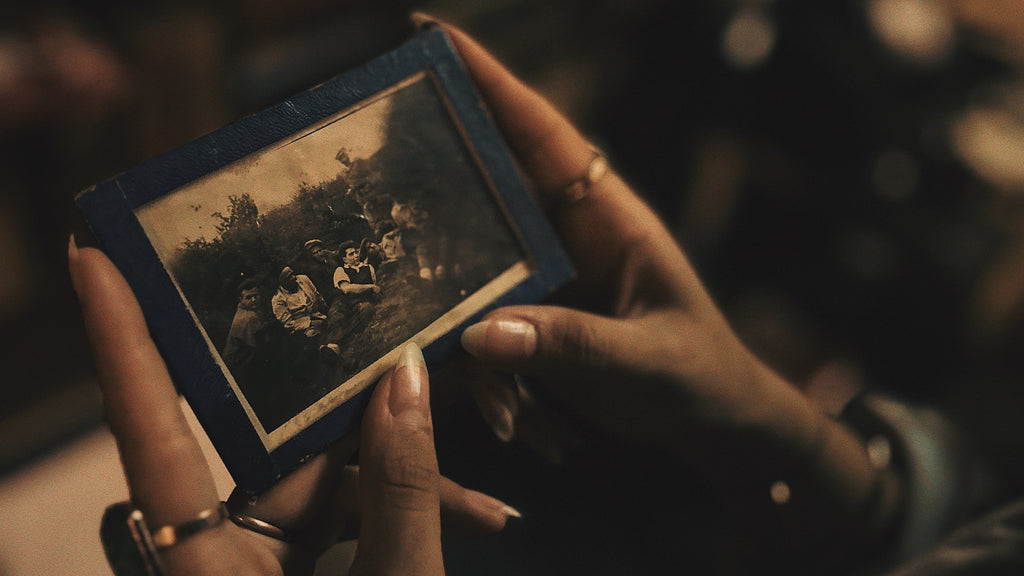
x,y
817,487
827,456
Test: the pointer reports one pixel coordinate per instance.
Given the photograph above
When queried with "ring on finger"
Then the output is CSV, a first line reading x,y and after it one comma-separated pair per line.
x,y
596,169
240,500
260,527
167,536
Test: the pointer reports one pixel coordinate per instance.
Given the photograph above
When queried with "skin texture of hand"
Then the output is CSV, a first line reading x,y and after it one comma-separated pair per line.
x,y
644,354
395,502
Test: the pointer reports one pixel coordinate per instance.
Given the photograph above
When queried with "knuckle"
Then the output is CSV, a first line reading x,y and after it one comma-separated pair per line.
x,y
409,480
580,341
540,147
636,249
170,441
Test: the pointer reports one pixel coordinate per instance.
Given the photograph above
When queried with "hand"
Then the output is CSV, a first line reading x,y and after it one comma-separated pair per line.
x,y
399,496
644,354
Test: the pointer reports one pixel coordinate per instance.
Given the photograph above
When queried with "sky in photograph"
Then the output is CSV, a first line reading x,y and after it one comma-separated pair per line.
x,y
272,177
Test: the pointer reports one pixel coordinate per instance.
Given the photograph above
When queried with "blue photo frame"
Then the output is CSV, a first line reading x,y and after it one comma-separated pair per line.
x,y
406,130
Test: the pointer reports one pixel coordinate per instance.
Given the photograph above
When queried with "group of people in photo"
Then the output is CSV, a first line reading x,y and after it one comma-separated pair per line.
x,y
321,301
325,296
334,298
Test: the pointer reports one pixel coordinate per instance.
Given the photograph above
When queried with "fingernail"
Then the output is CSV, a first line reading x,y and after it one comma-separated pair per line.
x,y
501,340
73,261
511,512
504,425
422,18
72,251
409,396
483,501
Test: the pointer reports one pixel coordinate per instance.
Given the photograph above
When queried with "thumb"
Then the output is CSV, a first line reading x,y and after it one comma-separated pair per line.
x,y
399,479
609,371
551,342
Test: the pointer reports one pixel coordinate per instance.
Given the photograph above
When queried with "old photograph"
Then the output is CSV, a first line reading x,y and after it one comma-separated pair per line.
x,y
307,263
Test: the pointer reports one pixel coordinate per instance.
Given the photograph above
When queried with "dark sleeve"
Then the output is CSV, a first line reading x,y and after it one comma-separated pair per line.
x,y
993,545
947,484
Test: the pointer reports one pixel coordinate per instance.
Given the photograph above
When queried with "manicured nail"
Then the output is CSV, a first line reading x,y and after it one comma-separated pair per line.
x,y
409,396
501,340
511,512
504,425
72,253
73,262
482,501
422,18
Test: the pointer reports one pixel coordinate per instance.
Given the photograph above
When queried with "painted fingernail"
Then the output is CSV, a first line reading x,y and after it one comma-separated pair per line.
x,y
483,501
422,18
504,425
511,512
73,262
409,395
501,340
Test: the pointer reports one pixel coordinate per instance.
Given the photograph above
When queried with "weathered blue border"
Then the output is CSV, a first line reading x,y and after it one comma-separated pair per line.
x,y
109,209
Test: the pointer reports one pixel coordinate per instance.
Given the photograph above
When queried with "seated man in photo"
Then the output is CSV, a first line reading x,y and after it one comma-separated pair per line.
x,y
421,237
299,306
357,291
318,263
388,251
249,334
356,279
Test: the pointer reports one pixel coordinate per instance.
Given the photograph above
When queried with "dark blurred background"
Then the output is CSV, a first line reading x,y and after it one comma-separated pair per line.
x,y
847,176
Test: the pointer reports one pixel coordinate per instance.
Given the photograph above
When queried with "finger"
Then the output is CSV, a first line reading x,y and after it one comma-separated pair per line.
x,y
510,410
611,226
577,352
552,341
472,513
582,359
297,503
552,151
496,396
542,429
399,480
468,512
168,476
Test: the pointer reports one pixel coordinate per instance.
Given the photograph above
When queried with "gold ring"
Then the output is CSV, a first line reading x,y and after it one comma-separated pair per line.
x,y
260,527
596,170
167,536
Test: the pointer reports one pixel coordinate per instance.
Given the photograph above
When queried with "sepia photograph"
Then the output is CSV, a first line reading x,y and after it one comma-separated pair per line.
x,y
284,261
307,263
